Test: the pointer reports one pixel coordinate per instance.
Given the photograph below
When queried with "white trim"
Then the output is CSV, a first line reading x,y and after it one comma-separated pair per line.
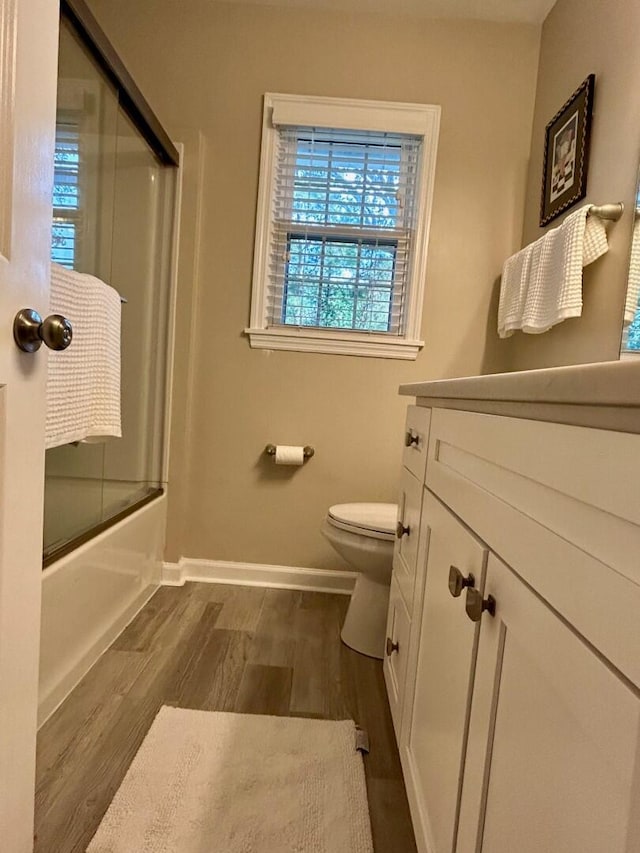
x,y
172,574
173,311
346,343
257,574
195,301
426,181
348,113
335,112
419,818
8,49
263,219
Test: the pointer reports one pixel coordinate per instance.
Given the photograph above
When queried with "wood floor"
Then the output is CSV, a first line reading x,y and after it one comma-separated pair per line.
x,y
218,648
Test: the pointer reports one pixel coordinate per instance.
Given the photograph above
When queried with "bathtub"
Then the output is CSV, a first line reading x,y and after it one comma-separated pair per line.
x,y
91,594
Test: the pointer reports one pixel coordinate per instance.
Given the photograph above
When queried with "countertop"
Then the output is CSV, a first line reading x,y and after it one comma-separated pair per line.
x,y
604,395
607,383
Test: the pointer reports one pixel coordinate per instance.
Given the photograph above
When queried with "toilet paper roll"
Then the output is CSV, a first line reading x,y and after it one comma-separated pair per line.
x,y
287,454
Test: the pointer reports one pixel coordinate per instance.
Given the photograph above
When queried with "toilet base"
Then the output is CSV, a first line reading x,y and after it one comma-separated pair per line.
x,y
366,619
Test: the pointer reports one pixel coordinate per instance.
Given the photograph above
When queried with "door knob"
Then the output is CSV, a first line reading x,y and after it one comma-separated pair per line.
x,y
391,646
457,581
401,530
475,605
30,331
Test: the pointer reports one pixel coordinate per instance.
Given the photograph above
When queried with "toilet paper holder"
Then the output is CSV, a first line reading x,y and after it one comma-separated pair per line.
x,y
307,451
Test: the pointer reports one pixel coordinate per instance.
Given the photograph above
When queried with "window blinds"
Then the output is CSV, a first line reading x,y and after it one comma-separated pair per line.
x,y
343,228
66,194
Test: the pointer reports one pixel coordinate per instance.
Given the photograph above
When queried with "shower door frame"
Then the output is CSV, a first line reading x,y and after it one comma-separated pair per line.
x,y
133,102
131,98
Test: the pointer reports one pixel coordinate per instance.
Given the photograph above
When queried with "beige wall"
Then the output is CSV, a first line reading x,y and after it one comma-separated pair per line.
x,y
204,67
581,37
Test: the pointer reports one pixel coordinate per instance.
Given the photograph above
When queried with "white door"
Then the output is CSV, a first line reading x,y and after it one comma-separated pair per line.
x,y
28,59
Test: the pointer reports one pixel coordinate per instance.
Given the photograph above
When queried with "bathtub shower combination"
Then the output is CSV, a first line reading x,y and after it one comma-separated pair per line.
x,y
114,206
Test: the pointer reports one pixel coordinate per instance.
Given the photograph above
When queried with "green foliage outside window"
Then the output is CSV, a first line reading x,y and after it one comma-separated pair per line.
x,y
343,281
633,334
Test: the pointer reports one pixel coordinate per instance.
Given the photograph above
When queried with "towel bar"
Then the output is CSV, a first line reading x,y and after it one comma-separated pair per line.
x,y
612,212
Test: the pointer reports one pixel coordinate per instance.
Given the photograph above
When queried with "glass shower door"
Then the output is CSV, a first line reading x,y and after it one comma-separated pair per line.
x,y
113,218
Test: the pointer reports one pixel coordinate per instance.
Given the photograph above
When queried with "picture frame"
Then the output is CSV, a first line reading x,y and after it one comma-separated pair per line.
x,y
566,153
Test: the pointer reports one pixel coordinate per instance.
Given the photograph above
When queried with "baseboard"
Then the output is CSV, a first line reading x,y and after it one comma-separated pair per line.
x,y
419,819
255,574
172,574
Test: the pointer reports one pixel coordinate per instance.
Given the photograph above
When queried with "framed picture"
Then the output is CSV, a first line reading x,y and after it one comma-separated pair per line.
x,y
566,153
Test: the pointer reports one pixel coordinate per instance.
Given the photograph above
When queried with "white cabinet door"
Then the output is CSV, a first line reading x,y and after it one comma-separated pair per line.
x,y
405,555
28,64
416,441
434,748
553,760
396,654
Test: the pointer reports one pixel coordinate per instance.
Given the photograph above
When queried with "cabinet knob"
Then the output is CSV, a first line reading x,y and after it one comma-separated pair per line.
x,y
391,646
457,581
475,605
411,438
401,530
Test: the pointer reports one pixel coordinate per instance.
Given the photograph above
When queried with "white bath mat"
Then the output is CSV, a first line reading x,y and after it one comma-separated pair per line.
x,y
210,782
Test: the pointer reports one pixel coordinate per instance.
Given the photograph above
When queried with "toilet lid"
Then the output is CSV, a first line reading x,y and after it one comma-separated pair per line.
x,y
376,519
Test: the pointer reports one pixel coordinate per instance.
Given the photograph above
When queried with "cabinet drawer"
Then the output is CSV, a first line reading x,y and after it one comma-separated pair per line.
x,y
405,554
436,739
416,440
396,651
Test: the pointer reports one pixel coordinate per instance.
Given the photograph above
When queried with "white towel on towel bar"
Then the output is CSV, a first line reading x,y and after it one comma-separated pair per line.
x,y
83,381
553,291
513,291
633,285
555,279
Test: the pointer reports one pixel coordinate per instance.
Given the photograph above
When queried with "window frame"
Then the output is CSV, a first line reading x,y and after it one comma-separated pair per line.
x,y
343,114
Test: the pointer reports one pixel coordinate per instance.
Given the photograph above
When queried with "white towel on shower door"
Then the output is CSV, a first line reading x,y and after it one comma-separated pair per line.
x,y
83,381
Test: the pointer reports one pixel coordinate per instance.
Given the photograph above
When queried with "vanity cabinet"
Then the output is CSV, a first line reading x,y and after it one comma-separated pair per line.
x,y
408,576
520,704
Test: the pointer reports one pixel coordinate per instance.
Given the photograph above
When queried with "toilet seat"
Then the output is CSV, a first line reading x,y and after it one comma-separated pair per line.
x,y
374,520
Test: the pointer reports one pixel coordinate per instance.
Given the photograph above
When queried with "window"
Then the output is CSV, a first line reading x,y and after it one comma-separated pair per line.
x,y
66,193
342,226
75,171
342,229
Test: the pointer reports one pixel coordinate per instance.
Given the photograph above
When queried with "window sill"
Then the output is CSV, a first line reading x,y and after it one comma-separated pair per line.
x,y
336,343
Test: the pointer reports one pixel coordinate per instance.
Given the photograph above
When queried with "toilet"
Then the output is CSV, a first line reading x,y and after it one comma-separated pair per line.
x,y
363,534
